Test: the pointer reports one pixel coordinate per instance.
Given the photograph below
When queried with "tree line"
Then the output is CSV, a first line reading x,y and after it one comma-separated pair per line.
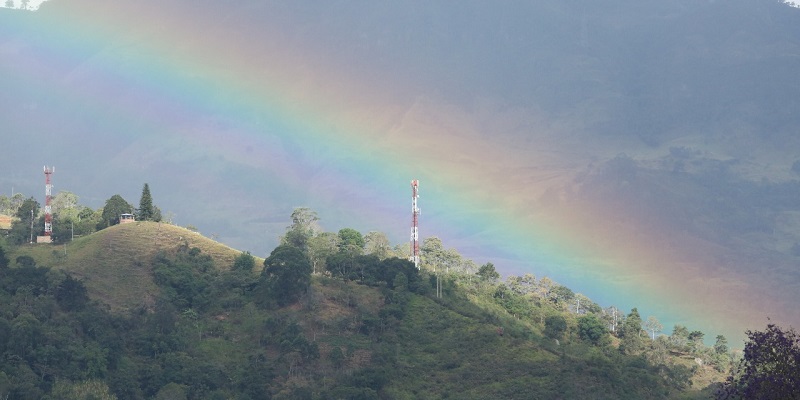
x,y
71,219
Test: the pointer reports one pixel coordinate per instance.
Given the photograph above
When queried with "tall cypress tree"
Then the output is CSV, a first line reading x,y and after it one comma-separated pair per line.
x,y
146,204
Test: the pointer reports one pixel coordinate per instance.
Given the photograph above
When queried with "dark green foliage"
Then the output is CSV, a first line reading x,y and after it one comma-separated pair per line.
x,y
185,277
695,340
145,212
28,277
631,333
555,326
351,240
5,333
562,294
353,393
83,223
27,213
286,276
341,265
244,262
488,273
770,368
114,207
26,261
3,258
591,329
373,331
30,205
71,294
721,345
369,269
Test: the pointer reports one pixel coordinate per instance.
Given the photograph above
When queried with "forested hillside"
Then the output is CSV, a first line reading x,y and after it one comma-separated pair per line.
x,y
329,315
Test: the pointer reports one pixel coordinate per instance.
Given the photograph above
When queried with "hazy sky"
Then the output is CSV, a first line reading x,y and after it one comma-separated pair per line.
x,y
611,147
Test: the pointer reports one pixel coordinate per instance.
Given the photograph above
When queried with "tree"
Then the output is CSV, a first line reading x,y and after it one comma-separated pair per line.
x,y
25,261
588,305
71,294
286,276
488,273
244,262
592,329
653,326
562,294
378,244
555,326
146,211
10,205
679,337
630,333
5,205
696,340
303,227
65,205
9,3
770,368
721,345
115,206
351,240
27,213
24,210
544,286
432,253
611,317
320,247
522,284
437,258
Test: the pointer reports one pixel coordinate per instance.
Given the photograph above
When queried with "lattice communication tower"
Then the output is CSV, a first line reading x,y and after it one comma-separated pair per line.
x,y
415,223
48,193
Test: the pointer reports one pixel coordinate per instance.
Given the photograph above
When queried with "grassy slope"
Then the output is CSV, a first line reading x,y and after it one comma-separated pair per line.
x,y
116,262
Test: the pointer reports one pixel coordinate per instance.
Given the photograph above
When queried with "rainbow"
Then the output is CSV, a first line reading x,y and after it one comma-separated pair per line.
x,y
309,129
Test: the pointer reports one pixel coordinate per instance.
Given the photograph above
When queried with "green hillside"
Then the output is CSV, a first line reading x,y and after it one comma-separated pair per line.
x,y
115,263
148,310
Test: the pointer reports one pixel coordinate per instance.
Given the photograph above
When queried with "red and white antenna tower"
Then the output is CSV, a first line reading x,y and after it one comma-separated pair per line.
x,y
48,192
415,223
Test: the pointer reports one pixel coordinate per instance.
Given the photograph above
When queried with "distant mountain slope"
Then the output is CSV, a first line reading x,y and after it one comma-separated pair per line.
x,y
116,262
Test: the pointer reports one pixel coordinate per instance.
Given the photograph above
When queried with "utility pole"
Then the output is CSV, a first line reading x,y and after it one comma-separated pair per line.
x,y
31,226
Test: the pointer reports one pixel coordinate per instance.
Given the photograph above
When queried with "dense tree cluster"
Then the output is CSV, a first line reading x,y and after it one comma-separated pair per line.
x,y
71,219
770,368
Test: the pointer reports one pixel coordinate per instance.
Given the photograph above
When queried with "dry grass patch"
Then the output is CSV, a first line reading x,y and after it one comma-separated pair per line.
x,y
5,221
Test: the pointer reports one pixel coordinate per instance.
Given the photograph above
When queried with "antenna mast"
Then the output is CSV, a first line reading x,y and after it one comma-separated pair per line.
x,y
415,223
48,191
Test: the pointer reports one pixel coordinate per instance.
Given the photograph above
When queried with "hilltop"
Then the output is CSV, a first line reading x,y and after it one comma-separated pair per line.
x,y
116,263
